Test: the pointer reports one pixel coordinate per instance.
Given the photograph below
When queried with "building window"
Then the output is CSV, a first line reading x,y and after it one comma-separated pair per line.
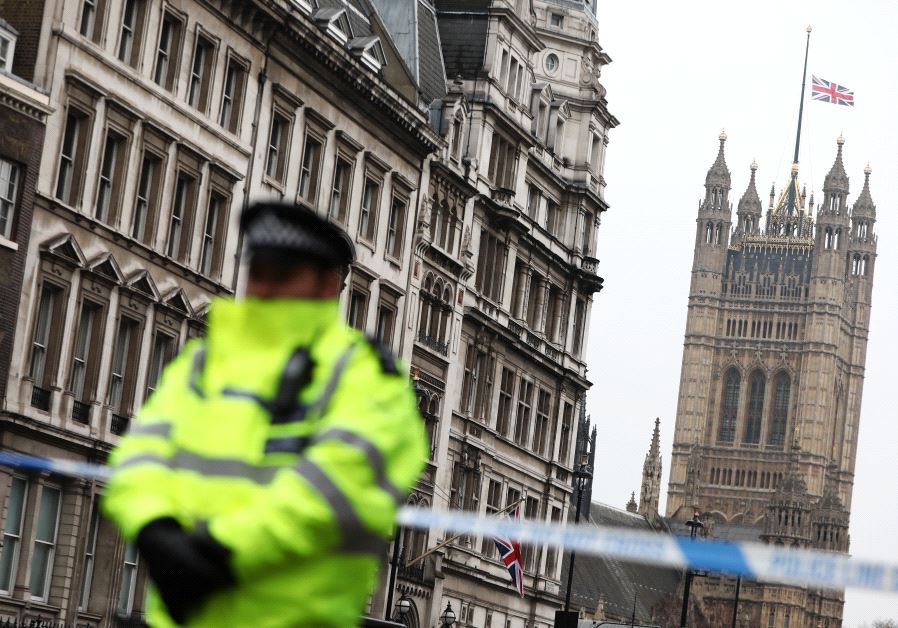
x,y
90,553
7,46
730,407
310,170
477,384
182,213
93,16
232,95
358,307
493,505
522,419
131,36
396,226
579,327
341,189
124,366
201,73
535,301
533,196
44,542
85,357
503,158
528,551
586,235
386,322
444,223
782,388
456,145
73,157
45,344
12,534
506,394
278,143
490,266
163,351
556,20
554,307
553,217
564,448
115,155
551,550
755,408
168,53
129,581
146,204
370,202
9,183
541,428
213,235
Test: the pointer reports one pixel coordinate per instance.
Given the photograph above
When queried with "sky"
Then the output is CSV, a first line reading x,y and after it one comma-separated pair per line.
x,y
681,73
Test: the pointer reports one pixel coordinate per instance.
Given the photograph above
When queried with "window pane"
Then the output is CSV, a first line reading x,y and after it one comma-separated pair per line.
x,y
46,522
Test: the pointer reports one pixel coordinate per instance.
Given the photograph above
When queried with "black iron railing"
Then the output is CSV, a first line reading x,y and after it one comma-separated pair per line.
x,y
81,412
414,572
40,399
434,343
119,424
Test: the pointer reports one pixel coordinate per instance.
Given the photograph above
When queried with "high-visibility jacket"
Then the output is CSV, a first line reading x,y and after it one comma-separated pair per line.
x,y
298,471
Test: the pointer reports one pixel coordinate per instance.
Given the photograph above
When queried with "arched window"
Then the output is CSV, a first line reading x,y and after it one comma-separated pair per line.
x,y
856,265
780,411
836,237
424,318
828,238
864,263
730,407
709,233
436,220
755,409
717,233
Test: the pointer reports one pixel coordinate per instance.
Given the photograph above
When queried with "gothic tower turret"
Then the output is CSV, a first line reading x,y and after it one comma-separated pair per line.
x,y
788,517
650,493
830,519
832,223
749,208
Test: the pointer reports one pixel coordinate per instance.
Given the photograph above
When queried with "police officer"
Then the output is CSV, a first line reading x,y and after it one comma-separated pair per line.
x,y
261,480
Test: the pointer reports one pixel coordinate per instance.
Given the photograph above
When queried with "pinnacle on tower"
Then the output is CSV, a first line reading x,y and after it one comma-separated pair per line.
x,y
837,180
655,447
631,505
719,174
750,201
863,206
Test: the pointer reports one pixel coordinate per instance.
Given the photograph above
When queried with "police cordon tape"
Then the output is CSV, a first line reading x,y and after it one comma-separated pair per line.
x,y
752,561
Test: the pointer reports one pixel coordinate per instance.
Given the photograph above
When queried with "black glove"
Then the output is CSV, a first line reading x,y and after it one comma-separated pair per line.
x,y
187,568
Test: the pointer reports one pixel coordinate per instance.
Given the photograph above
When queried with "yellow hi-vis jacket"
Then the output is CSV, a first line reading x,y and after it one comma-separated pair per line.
x,y
303,488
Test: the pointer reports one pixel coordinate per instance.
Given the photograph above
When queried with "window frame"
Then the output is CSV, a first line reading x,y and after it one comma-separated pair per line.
x,y
143,228
90,554
97,28
9,196
72,167
173,55
199,80
51,551
230,114
16,544
282,123
129,51
128,360
395,231
118,126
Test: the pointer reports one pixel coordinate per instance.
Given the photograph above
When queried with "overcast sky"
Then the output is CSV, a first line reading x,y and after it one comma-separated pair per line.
x,y
680,73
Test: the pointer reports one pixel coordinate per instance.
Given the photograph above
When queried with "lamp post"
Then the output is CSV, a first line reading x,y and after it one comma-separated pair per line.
x,y
403,606
448,616
736,601
694,524
582,474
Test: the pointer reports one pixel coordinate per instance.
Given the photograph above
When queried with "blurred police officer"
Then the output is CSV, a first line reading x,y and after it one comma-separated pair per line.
x,y
261,480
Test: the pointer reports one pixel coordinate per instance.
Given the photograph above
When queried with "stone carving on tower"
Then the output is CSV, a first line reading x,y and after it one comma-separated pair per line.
x,y
650,493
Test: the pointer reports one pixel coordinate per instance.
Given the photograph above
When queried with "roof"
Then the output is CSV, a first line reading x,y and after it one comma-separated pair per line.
x,y
622,583
463,30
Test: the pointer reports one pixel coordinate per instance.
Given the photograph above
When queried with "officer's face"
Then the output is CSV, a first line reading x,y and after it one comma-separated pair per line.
x,y
269,280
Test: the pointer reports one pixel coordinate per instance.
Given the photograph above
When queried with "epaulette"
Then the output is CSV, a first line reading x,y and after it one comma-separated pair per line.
x,y
384,355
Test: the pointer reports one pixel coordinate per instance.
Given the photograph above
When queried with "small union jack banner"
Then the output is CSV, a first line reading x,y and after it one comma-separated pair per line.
x,y
831,92
510,552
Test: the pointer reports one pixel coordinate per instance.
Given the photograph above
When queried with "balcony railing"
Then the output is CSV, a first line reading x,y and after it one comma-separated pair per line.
x,y
81,412
434,343
119,424
135,620
40,398
414,572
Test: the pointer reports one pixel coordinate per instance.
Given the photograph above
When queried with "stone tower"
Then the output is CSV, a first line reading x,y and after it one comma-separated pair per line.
x,y
772,372
650,493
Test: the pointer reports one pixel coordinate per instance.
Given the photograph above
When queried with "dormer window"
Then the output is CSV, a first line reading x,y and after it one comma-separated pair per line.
x,y
335,22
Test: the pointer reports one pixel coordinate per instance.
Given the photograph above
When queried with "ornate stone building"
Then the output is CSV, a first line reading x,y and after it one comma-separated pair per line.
x,y
772,377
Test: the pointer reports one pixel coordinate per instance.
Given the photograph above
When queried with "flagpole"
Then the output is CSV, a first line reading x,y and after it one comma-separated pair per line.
x,y
804,77
448,541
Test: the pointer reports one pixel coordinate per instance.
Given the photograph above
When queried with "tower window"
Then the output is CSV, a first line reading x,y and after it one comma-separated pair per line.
x,y
755,408
730,407
782,388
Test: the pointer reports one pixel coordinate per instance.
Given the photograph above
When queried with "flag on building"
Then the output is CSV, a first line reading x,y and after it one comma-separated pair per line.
x,y
831,92
510,552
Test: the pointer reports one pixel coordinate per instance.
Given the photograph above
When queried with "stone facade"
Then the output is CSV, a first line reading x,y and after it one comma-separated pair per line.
x,y
772,377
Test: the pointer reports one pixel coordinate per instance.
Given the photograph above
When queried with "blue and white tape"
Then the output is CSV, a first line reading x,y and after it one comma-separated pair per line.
x,y
752,561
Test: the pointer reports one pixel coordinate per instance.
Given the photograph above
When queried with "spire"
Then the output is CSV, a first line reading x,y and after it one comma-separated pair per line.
x,y
750,201
650,491
863,206
837,180
655,448
719,174
631,505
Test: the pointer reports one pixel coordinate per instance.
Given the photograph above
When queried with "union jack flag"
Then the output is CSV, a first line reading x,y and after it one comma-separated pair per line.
x,y
831,92
510,552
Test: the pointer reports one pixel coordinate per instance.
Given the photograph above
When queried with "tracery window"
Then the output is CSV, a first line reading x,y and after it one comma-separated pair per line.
x,y
755,409
730,407
780,414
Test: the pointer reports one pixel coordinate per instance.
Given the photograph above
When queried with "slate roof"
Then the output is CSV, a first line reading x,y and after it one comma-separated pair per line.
x,y
463,26
621,582
431,73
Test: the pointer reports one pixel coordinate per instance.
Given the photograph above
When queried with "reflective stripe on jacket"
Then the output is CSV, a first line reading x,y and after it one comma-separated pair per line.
x,y
302,489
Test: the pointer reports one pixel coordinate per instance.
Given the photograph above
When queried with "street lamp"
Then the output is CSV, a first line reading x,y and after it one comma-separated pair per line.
x,y
694,525
448,616
403,606
583,474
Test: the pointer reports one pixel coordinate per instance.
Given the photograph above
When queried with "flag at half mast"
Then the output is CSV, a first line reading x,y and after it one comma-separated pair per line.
x,y
834,93
510,553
